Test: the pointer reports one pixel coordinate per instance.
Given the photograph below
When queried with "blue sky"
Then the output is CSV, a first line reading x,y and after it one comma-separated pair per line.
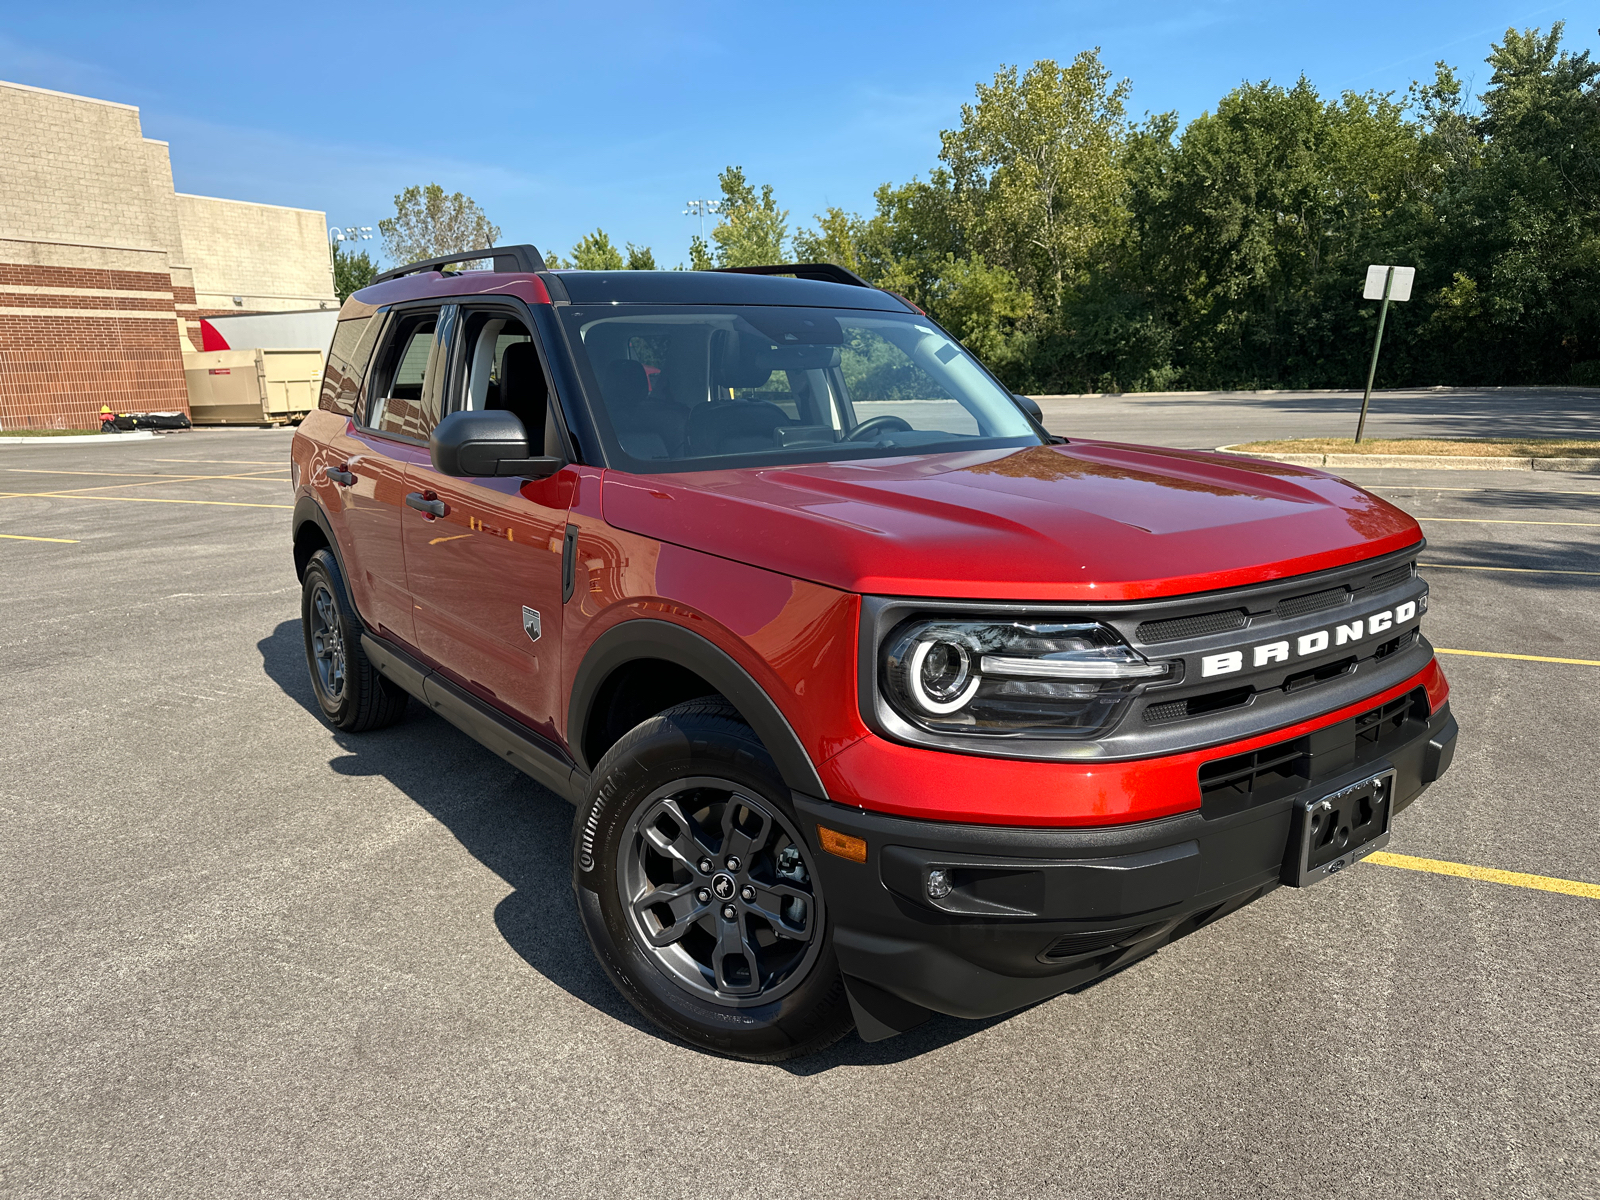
x,y
561,117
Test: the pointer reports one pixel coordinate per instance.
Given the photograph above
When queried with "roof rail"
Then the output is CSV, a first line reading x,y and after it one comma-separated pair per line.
x,y
507,260
826,272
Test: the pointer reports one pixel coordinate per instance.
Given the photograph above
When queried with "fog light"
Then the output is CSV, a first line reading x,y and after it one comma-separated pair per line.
x,y
938,884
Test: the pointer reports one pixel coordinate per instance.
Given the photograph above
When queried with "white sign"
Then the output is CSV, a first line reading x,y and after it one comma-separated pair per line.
x,y
1402,283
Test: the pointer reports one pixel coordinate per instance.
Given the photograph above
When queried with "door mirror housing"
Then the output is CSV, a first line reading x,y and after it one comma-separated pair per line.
x,y
1029,405
491,443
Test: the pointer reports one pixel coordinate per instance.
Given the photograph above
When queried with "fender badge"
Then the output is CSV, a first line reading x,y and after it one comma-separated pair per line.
x,y
530,623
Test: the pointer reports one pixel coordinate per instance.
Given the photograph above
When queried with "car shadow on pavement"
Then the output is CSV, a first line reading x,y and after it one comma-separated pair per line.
x,y
522,832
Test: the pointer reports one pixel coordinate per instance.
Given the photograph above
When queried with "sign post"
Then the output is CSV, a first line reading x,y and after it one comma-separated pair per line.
x,y
1383,283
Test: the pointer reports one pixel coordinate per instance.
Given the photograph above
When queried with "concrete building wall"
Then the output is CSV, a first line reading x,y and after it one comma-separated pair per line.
x,y
97,292
274,259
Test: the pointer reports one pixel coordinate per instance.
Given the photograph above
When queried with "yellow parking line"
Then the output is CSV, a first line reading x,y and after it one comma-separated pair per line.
x,y
1516,570
134,499
1571,662
19,537
1485,521
1541,883
227,462
141,474
102,487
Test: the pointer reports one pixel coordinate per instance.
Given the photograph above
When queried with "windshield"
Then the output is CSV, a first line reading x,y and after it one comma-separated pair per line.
x,y
693,389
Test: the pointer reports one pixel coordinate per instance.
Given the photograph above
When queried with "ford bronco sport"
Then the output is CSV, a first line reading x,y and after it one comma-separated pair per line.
x,y
874,699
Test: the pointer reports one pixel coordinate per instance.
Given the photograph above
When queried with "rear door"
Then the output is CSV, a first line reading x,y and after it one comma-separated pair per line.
x,y
389,433
485,577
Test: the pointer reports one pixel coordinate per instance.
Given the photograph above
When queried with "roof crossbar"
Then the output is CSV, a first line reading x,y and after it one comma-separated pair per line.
x,y
524,259
826,272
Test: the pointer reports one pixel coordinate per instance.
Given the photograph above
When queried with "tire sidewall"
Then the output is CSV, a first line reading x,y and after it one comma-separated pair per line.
x,y
659,751
322,570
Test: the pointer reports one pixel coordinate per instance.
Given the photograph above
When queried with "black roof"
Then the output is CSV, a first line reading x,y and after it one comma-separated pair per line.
x,y
718,287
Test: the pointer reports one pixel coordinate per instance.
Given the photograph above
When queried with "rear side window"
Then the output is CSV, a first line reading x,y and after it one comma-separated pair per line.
x,y
347,363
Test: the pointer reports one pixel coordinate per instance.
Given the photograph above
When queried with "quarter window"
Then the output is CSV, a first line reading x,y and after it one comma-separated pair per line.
x,y
347,363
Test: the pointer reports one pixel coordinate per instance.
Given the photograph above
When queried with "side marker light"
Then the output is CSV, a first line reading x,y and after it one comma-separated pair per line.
x,y
842,844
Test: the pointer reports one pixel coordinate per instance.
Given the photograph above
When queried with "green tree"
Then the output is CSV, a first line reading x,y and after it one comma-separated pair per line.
x,y
1511,225
641,258
430,224
1256,227
352,271
1036,171
594,252
752,228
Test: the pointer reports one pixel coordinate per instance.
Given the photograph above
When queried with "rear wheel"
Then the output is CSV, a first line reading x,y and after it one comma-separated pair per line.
x,y
349,690
699,894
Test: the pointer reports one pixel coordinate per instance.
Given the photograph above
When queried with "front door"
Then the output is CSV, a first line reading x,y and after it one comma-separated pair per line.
x,y
485,576
375,448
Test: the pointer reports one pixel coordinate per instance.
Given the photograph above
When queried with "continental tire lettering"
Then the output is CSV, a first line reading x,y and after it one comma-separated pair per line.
x,y
591,825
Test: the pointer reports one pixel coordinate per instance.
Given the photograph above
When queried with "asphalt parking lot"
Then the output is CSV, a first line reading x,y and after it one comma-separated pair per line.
x,y
242,954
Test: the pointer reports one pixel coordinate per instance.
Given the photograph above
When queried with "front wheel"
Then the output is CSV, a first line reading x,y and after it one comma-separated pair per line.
x,y
349,690
699,894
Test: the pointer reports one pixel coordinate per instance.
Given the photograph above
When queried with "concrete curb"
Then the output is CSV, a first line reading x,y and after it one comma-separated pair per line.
x,y
87,439
1426,462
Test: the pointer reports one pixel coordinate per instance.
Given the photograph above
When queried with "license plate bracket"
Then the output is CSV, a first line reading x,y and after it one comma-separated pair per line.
x,y
1330,831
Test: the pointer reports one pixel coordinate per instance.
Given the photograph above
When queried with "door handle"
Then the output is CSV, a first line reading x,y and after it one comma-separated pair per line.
x,y
340,476
423,504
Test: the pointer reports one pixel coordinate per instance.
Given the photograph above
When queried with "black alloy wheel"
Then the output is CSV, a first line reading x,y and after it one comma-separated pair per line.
x,y
351,693
699,893
717,886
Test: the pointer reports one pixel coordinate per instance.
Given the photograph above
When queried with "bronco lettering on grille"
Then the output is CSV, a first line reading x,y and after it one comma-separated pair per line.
x,y
1307,644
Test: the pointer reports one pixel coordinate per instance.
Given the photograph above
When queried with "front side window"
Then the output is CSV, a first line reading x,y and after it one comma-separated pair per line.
x,y
399,404
500,368
698,388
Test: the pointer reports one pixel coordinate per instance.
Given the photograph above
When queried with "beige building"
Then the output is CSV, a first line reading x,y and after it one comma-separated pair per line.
x,y
105,270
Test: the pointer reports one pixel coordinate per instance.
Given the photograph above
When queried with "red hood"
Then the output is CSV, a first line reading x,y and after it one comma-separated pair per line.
x,y
1083,521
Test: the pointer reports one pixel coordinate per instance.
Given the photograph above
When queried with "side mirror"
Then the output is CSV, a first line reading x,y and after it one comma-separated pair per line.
x,y
1029,405
486,443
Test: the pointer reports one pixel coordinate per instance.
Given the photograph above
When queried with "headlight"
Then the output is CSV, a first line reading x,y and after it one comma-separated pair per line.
x,y
1012,678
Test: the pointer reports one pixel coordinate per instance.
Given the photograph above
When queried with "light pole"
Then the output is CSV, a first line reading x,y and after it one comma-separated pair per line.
x,y
699,208
349,233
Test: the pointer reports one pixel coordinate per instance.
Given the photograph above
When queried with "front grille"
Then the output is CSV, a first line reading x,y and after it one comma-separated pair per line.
x,y
1187,627
1230,785
1194,706
1299,606
1070,945
1394,645
1392,577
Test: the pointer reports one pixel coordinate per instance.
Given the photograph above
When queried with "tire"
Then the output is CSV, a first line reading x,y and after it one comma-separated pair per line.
x,y
352,695
679,793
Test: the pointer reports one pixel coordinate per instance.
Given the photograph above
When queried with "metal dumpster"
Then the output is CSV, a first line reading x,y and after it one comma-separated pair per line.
x,y
252,387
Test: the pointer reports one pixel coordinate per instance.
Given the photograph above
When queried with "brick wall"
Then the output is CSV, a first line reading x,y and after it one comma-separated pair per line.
x,y
74,338
98,296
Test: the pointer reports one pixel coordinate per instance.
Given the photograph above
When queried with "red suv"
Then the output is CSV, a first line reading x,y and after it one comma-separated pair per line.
x,y
874,698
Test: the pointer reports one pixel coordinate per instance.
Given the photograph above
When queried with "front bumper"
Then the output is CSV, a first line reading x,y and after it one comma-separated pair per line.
x,y
1035,912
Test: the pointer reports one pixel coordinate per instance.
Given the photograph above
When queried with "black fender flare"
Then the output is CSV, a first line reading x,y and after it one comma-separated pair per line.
x,y
647,638
307,509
